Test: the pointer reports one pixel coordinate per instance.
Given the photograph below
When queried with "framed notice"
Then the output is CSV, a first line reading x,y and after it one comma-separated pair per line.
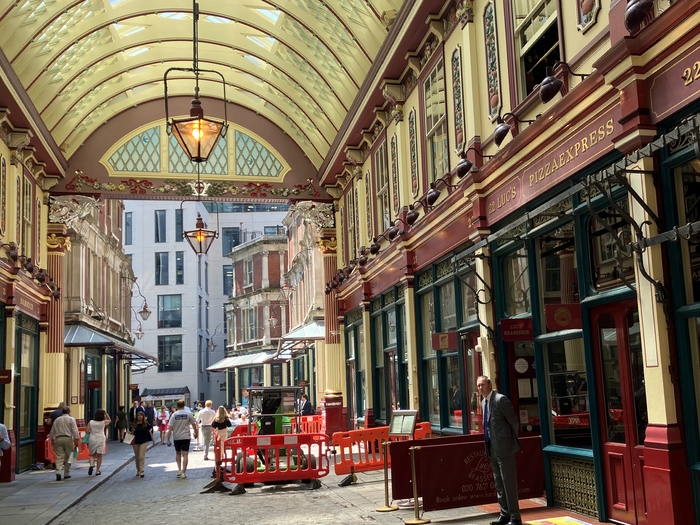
x,y
403,422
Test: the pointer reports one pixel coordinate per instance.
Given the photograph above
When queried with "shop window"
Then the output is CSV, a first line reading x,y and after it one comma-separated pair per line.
x,y
391,328
431,377
436,123
381,185
516,283
570,423
557,268
169,353
468,282
276,370
380,376
161,269
28,386
536,40
427,313
689,212
453,392
160,229
606,231
169,311
248,324
448,308
694,337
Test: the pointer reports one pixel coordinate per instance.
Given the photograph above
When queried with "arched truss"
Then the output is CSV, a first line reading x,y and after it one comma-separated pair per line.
x,y
299,63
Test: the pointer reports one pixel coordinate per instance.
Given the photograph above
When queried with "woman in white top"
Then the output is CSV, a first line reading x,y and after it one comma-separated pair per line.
x,y
96,442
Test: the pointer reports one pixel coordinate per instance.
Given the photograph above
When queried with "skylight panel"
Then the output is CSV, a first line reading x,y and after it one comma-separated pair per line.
x,y
173,16
137,52
134,30
265,42
271,14
218,19
255,60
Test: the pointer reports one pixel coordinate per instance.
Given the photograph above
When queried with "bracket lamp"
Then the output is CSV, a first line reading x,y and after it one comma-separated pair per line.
x,y
11,250
465,164
502,128
636,12
551,85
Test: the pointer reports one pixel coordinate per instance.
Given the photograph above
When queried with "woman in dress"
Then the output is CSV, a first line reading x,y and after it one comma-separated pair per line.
x,y
96,443
221,423
143,433
163,417
121,423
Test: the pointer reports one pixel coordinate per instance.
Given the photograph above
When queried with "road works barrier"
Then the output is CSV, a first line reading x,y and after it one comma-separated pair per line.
x,y
310,425
361,450
246,460
83,451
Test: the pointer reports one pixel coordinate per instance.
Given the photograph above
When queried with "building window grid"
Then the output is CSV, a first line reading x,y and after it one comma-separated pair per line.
x,y
381,171
436,122
27,210
248,275
160,226
161,269
179,267
128,228
179,229
169,311
227,270
169,353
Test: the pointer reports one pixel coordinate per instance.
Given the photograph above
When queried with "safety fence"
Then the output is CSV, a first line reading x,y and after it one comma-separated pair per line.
x,y
310,425
272,458
361,450
83,451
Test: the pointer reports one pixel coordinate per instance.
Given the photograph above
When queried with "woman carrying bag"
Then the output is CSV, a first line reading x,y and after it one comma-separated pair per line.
x,y
143,433
96,429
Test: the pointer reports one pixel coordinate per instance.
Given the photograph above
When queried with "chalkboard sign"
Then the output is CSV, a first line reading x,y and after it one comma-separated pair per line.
x,y
403,422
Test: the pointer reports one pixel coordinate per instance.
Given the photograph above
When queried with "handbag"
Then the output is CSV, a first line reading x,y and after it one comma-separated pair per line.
x,y
128,437
86,438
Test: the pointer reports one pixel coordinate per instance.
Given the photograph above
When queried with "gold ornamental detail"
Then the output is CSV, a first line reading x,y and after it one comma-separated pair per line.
x,y
327,245
55,242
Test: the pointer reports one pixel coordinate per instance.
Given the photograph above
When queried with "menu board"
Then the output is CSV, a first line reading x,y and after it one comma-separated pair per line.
x,y
403,422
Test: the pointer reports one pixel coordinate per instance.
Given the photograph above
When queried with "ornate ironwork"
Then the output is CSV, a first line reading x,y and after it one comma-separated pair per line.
x,y
376,304
468,262
573,485
425,279
443,269
353,317
65,209
320,214
389,297
400,291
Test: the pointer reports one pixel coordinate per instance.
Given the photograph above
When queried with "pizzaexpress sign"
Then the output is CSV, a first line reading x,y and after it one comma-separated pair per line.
x,y
555,165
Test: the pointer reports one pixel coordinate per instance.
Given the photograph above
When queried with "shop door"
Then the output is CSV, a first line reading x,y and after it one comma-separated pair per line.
x,y
523,386
391,365
623,412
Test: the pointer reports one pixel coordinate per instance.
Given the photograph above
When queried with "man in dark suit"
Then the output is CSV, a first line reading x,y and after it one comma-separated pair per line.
x,y
501,438
306,409
133,410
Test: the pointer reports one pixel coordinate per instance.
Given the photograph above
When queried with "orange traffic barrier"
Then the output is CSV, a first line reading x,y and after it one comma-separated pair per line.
x,y
270,458
310,424
361,450
83,451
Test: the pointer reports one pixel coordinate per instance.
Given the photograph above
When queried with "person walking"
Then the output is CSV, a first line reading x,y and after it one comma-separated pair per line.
x,y
121,423
133,410
163,417
306,409
65,437
206,416
96,428
5,442
501,440
221,423
143,433
179,428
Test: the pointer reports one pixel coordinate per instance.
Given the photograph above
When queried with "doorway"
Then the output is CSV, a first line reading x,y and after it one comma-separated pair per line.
x,y
623,409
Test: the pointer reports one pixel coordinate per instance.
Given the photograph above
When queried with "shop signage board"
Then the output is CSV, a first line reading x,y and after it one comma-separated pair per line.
x,y
4,287
675,85
94,383
445,341
5,377
133,386
517,329
592,141
303,383
563,316
25,304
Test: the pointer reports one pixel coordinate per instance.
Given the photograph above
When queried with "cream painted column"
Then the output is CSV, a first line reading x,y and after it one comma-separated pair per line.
x,y
265,270
661,407
53,360
486,314
10,353
366,350
321,380
77,383
412,347
334,358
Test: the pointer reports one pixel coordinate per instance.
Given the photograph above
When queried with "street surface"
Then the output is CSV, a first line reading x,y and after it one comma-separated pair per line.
x,y
162,498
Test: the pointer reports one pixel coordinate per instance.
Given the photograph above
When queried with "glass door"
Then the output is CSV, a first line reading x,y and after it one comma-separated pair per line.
x,y
623,410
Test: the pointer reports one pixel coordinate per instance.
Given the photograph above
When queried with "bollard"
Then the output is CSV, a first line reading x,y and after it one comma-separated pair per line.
x,y
386,507
417,520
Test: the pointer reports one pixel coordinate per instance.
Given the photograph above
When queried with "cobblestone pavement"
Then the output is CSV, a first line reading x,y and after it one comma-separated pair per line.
x,y
161,497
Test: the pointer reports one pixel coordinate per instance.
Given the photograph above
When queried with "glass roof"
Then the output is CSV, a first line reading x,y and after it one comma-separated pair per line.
x,y
298,63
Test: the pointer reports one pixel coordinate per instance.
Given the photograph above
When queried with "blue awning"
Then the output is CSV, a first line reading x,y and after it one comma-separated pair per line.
x,y
80,335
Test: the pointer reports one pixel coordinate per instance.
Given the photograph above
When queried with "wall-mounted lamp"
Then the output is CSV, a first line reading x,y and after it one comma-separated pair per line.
x,y
551,85
636,12
465,164
502,128
274,321
145,313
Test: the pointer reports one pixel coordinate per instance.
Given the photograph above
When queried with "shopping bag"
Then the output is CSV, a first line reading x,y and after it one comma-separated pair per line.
x,y
128,438
86,438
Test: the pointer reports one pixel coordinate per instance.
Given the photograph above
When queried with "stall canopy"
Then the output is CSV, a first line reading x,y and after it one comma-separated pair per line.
x,y
299,340
240,360
78,335
150,394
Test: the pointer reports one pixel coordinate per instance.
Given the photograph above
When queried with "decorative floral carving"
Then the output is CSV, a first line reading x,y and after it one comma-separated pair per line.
x,y
395,175
413,151
55,242
183,188
65,209
587,11
321,214
492,68
326,246
3,195
458,98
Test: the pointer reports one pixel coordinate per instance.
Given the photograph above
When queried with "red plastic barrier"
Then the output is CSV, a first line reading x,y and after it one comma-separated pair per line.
x,y
361,450
310,424
270,458
83,451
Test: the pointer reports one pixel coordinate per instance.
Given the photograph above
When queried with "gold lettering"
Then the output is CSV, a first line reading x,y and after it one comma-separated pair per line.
x,y
555,166
548,167
593,138
609,127
561,159
601,133
569,155
584,144
532,178
577,148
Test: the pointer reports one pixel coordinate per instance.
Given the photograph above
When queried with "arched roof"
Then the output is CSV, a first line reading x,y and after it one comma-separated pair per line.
x,y
297,63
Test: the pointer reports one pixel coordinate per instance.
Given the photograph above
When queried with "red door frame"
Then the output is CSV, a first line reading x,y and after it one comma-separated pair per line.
x,y
622,462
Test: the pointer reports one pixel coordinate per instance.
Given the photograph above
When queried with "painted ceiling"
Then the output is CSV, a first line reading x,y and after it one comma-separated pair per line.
x,y
94,71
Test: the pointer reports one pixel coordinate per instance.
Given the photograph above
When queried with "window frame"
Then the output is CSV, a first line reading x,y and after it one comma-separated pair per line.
x,y
128,228
162,270
160,232
179,268
172,346
382,186
175,323
434,169
179,225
